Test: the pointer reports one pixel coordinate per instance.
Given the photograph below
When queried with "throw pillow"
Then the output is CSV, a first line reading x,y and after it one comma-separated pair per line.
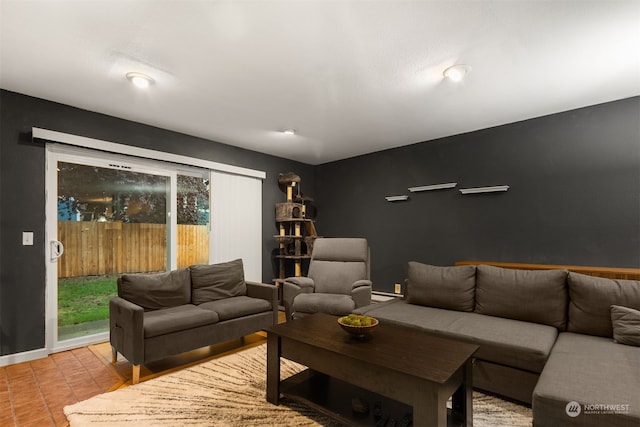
x,y
590,301
157,290
626,325
538,296
451,288
217,281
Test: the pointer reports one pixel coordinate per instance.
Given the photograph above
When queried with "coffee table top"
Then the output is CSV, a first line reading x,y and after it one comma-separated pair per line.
x,y
402,348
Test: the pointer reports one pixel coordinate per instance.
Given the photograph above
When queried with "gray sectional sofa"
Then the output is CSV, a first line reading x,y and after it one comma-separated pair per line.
x,y
565,342
158,315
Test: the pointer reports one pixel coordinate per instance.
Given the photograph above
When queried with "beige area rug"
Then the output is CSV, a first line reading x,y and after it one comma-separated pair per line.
x,y
230,391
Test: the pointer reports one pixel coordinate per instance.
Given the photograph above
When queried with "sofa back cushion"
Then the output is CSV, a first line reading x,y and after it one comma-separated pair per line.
x,y
157,290
626,325
451,288
217,281
591,299
538,296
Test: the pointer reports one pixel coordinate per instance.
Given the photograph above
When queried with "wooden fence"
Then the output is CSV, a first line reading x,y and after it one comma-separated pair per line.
x,y
100,248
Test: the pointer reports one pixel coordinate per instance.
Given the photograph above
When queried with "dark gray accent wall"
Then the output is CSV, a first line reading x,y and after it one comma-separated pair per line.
x,y
22,200
574,195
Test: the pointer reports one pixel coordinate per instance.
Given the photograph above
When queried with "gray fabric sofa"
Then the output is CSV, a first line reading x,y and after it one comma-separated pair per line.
x,y
158,315
546,337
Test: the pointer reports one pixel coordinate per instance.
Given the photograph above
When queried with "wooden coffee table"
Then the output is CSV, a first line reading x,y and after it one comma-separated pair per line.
x,y
403,365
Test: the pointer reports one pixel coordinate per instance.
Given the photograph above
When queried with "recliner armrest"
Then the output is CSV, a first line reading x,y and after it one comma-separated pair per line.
x,y
126,332
359,283
302,282
292,287
361,293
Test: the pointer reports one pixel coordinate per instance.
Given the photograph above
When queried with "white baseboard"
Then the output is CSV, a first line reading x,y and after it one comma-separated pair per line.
x,y
25,356
379,296
28,356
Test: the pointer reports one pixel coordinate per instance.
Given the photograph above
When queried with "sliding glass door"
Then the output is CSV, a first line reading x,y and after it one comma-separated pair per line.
x,y
108,215
192,206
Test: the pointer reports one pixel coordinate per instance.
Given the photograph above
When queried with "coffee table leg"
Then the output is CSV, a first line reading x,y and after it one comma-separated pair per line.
x,y
273,369
462,401
430,407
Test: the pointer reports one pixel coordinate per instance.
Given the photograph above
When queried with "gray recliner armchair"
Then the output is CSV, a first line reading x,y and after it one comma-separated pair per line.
x,y
338,281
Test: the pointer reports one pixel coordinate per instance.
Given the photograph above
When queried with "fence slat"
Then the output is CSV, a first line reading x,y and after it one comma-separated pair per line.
x,y
100,248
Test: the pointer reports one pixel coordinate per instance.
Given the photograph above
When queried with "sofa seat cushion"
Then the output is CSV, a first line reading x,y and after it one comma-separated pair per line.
x,y
336,304
174,319
507,342
589,370
234,307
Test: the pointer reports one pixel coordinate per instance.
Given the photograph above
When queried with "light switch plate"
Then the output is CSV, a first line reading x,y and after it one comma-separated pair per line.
x,y
27,238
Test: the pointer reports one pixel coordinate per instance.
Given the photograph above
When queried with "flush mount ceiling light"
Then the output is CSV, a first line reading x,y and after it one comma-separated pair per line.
x,y
456,73
139,79
289,131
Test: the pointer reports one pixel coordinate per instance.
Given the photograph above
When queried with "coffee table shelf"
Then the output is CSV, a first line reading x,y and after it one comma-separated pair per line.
x,y
333,398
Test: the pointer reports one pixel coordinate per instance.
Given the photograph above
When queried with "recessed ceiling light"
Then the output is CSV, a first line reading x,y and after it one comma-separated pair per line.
x,y
289,131
456,73
139,79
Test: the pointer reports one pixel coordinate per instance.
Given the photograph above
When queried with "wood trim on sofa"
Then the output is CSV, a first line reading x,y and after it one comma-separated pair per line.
x,y
607,272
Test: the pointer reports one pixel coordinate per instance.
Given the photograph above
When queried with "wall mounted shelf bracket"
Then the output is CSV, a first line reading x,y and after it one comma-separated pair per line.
x,y
477,190
433,187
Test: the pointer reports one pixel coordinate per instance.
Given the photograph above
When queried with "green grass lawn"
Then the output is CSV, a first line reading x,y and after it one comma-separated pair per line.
x,y
85,299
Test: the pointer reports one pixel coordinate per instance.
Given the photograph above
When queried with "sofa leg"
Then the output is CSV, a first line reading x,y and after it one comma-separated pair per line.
x,y
135,379
114,355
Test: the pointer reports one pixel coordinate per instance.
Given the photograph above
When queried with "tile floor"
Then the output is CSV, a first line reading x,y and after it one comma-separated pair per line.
x,y
34,393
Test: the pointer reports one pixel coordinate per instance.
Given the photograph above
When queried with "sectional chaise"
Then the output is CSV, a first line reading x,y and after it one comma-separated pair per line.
x,y
565,342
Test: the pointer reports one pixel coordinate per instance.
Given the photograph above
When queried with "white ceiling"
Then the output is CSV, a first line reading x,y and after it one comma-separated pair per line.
x,y
352,77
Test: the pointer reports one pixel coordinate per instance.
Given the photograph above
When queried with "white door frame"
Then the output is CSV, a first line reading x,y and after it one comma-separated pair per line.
x,y
58,143
59,153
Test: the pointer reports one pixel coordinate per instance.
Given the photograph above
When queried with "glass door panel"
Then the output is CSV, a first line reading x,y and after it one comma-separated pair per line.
x,y
111,220
192,209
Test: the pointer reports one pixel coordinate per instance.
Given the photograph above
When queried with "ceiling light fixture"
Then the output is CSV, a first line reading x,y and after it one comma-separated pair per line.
x,y
289,131
140,80
456,73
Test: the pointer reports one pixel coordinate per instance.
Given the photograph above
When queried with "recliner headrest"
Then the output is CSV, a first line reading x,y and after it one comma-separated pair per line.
x,y
343,249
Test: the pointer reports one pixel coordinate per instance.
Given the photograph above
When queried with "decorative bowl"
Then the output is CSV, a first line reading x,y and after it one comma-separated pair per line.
x,y
351,324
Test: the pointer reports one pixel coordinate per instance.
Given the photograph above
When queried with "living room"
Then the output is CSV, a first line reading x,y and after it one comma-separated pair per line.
x,y
573,173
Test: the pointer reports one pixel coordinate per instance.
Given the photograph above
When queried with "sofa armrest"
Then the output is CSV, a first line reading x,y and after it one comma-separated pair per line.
x,y
293,286
265,292
126,332
262,291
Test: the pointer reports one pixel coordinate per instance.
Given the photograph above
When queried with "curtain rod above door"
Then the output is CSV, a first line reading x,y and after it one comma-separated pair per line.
x,y
112,147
